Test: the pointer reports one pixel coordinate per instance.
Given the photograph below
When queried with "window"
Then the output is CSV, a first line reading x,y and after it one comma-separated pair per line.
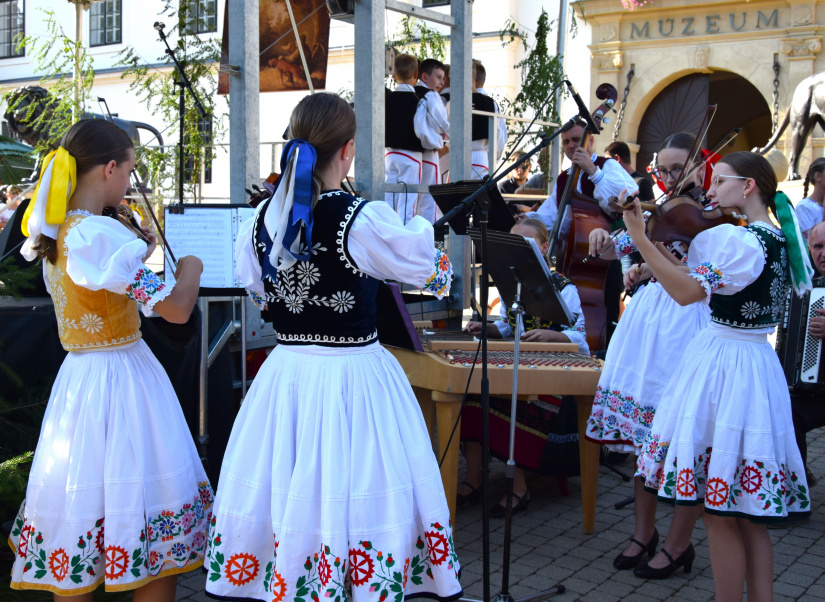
x,y
205,128
105,23
11,28
198,16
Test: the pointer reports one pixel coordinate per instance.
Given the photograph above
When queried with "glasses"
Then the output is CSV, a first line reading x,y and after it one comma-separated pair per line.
x,y
714,181
664,174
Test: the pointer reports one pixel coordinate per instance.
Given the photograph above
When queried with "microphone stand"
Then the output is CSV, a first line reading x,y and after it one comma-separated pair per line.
x,y
480,199
183,82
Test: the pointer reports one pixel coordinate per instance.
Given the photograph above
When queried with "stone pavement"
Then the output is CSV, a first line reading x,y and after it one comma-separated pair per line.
x,y
549,547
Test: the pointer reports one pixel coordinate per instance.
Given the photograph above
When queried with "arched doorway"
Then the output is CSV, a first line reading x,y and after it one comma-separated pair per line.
x,y
681,106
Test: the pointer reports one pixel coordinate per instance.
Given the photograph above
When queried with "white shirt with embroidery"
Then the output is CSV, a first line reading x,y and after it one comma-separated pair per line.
x,y
809,213
379,243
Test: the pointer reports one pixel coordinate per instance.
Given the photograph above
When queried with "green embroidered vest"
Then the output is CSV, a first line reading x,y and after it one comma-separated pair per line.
x,y
761,303
534,322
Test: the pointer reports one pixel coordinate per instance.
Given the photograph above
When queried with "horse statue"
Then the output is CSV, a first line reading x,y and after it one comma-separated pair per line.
x,y
807,109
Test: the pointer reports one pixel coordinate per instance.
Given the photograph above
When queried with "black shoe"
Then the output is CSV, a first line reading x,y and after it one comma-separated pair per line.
x,y
686,559
498,511
468,498
624,563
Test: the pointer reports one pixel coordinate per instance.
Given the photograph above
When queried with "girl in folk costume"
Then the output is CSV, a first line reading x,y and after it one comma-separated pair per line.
x,y
329,487
809,211
535,420
648,342
117,494
723,434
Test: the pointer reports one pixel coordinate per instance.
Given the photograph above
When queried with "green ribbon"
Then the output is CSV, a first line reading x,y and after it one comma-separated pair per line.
x,y
801,270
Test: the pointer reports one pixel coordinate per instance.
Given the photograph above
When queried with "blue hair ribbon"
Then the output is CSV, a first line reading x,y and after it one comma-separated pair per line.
x,y
299,225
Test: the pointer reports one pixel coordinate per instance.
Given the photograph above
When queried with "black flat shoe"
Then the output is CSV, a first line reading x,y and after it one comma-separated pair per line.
x,y
624,563
468,498
498,511
685,559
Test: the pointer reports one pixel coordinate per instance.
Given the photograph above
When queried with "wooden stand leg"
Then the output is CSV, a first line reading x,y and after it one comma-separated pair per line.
x,y
427,405
447,406
589,462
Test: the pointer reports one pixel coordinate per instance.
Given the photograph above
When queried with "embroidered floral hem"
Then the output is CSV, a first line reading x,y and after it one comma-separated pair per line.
x,y
364,570
439,283
754,489
709,277
171,542
618,418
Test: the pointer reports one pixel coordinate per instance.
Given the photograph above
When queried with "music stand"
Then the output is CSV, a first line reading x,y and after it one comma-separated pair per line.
x,y
524,282
449,196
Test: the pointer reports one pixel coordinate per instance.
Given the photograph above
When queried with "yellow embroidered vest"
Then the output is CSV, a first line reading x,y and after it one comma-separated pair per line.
x,y
88,319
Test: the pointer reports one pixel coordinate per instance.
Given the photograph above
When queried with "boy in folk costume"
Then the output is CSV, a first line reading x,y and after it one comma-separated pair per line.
x,y
405,128
428,89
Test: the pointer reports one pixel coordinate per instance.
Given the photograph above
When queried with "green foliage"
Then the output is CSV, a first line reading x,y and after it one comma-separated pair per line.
x,y
541,72
199,55
417,38
14,279
15,162
56,55
14,473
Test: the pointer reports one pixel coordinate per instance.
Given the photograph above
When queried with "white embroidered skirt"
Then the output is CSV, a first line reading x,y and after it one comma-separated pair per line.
x,y
729,440
643,353
117,493
329,488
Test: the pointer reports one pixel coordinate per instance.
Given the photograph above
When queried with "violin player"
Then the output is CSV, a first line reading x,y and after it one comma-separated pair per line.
x,y
640,358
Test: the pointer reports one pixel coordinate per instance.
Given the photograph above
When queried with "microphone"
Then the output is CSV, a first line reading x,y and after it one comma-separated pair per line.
x,y
159,26
584,112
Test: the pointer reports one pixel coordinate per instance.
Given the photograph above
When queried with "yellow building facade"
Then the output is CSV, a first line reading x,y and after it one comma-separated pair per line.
x,y
747,57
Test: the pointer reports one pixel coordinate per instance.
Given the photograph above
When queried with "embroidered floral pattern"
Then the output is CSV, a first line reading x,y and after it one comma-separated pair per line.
x,y
147,288
623,245
756,488
331,576
619,418
91,323
709,276
342,301
439,282
259,301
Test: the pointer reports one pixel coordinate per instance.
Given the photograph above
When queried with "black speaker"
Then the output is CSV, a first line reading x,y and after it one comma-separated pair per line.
x,y
11,239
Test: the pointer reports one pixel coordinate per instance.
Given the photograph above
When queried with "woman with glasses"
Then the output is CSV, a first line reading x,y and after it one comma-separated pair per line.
x,y
723,434
646,346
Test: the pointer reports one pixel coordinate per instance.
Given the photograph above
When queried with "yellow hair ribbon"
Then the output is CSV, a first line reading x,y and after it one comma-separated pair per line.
x,y
61,187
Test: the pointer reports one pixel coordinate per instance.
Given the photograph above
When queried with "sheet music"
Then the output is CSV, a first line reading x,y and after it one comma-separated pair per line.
x,y
540,257
208,233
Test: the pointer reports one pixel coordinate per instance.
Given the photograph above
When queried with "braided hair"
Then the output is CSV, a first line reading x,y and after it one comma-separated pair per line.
x,y
817,166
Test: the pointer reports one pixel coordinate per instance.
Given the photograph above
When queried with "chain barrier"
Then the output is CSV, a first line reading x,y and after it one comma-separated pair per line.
x,y
775,92
620,118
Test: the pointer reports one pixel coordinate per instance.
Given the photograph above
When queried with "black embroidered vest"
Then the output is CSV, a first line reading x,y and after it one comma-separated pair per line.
x,y
534,322
398,121
761,303
326,300
482,102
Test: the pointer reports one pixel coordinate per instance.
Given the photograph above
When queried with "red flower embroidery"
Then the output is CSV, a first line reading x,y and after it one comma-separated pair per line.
x,y
361,567
717,492
23,541
241,569
324,570
439,548
278,587
99,541
751,479
117,561
685,485
59,564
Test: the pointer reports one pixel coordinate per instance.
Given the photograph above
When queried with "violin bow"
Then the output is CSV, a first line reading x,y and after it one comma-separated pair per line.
x,y
694,150
167,250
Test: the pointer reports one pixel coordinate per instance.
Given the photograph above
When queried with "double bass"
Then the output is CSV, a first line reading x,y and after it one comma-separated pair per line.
x,y
589,277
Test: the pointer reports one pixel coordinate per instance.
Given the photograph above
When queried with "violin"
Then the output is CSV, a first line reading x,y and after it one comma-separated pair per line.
x,y
681,217
259,195
126,216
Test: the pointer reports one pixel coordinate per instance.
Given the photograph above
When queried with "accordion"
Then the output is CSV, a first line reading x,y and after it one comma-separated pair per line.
x,y
800,353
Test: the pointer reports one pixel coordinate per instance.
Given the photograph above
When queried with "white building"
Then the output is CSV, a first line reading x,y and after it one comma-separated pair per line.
x,y
110,26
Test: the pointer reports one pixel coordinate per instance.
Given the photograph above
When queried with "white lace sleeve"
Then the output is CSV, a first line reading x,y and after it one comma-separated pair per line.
x,y
725,259
385,248
102,254
247,266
